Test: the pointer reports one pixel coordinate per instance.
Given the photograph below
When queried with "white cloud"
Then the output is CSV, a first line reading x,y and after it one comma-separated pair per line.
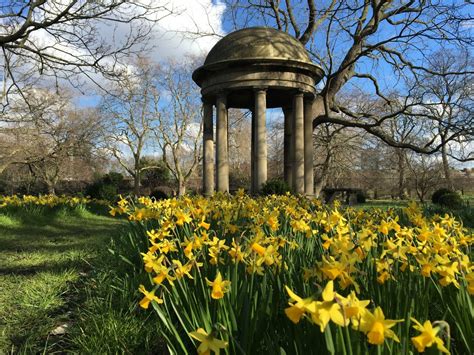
x,y
185,27
192,30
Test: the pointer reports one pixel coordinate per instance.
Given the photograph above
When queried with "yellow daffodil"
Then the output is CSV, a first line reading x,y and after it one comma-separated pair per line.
x,y
162,275
188,250
149,296
377,327
273,223
208,342
354,308
470,282
150,261
182,218
336,218
328,309
427,265
166,246
448,272
219,286
182,270
216,246
428,337
331,268
299,307
300,226
204,225
265,236
258,249
384,227
236,253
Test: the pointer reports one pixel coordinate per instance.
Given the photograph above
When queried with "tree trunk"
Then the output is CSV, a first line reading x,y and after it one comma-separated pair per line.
x,y
319,185
51,188
446,170
181,187
136,183
321,180
402,189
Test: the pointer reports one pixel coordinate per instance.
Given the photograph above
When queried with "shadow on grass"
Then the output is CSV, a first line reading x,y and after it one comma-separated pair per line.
x,y
48,266
59,238
43,254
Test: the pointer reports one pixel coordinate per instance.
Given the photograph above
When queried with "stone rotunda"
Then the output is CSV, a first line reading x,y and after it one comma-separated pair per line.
x,y
259,68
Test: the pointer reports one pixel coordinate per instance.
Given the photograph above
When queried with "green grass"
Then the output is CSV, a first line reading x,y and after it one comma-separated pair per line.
x,y
383,204
468,198
44,256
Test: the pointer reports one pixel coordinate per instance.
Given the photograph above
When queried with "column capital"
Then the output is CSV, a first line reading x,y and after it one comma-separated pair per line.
x,y
206,100
222,95
260,88
308,100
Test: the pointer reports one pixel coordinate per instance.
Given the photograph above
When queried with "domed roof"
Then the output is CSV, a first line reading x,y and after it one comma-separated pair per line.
x,y
257,43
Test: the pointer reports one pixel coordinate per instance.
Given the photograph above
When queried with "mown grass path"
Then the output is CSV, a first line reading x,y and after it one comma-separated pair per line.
x,y
43,260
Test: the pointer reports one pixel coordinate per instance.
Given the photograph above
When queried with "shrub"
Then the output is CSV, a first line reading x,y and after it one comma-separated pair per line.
x,y
156,176
159,195
451,200
360,196
106,187
238,180
102,191
438,193
113,178
275,187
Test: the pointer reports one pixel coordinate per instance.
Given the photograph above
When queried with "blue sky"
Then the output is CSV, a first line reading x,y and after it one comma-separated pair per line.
x,y
211,16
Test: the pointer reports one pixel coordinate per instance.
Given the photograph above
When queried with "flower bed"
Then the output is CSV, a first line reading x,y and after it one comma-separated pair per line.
x,y
288,275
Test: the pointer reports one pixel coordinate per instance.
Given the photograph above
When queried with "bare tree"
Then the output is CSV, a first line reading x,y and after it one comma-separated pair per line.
x,y
402,129
70,40
130,116
54,134
336,149
373,46
179,129
239,147
449,100
276,148
425,173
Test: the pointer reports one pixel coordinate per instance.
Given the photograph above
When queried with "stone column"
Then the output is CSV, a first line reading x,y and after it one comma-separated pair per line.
x,y
288,146
308,148
253,188
260,138
208,151
298,134
221,144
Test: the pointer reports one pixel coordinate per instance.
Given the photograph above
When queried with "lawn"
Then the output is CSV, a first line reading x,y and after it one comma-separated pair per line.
x,y
45,260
